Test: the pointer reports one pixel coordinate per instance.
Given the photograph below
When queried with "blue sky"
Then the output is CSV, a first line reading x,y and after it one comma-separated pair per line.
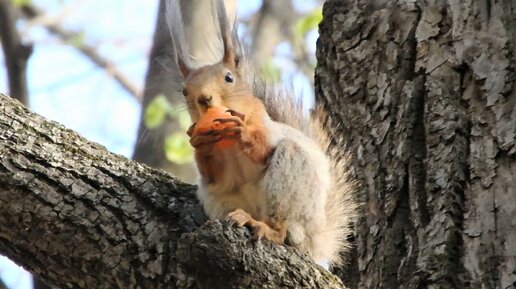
x,y
66,87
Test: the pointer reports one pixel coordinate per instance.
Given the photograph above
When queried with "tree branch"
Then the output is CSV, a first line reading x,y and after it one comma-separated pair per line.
x,y
31,12
218,256
16,53
78,216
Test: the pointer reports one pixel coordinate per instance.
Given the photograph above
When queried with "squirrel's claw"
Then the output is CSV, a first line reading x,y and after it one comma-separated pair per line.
x,y
236,117
209,137
239,217
232,132
236,113
236,120
258,230
190,130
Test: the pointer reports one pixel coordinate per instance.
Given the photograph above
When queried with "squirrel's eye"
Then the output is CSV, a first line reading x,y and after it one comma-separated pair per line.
x,y
185,93
228,77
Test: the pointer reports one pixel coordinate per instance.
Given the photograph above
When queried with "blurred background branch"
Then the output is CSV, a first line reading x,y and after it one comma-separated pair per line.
x,y
2,285
16,53
31,12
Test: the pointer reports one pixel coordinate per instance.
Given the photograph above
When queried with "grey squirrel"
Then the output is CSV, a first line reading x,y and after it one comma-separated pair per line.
x,y
261,163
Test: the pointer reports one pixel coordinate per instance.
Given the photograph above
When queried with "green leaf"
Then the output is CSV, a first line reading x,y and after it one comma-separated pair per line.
x,y
184,119
271,72
20,3
76,40
307,23
156,111
178,149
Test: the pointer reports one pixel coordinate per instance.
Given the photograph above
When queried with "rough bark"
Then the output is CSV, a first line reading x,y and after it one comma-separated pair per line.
x,y
212,250
425,92
38,284
80,217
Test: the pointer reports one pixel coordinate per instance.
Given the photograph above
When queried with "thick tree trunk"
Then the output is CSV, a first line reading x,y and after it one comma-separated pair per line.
x,y
80,217
425,92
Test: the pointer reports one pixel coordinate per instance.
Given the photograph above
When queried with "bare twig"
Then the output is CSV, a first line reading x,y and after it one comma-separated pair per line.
x,y
16,53
31,12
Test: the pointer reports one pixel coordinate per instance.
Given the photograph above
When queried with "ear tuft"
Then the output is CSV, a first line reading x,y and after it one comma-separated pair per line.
x,y
173,16
232,51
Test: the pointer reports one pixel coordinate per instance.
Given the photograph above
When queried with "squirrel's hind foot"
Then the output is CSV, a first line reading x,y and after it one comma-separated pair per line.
x,y
259,230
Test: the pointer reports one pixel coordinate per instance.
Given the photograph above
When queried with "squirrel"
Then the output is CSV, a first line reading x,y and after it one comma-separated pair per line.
x,y
282,179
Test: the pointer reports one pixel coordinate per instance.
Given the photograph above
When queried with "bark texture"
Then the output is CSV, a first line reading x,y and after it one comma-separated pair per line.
x,y
425,93
211,251
79,217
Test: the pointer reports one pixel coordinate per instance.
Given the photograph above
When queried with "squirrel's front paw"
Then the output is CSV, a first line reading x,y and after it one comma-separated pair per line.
x,y
241,218
206,138
236,124
235,130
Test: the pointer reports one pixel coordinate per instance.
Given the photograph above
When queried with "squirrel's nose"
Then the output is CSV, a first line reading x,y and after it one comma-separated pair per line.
x,y
205,100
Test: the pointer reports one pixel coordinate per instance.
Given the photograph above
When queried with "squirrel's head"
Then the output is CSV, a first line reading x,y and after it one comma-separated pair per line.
x,y
221,84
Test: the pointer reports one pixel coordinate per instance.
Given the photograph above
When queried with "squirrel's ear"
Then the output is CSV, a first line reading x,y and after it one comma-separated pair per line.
x,y
230,58
174,19
229,37
183,67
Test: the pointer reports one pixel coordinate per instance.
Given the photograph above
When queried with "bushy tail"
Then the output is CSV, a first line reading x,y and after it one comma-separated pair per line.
x,y
341,206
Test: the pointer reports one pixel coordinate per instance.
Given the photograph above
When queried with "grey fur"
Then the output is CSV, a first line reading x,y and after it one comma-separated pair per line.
x,y
288,183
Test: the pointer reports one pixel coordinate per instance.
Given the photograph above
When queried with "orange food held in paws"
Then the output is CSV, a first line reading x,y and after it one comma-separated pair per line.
x,y
206,123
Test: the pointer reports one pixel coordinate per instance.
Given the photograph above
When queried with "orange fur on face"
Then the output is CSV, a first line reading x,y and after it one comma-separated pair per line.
x,y
208,82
